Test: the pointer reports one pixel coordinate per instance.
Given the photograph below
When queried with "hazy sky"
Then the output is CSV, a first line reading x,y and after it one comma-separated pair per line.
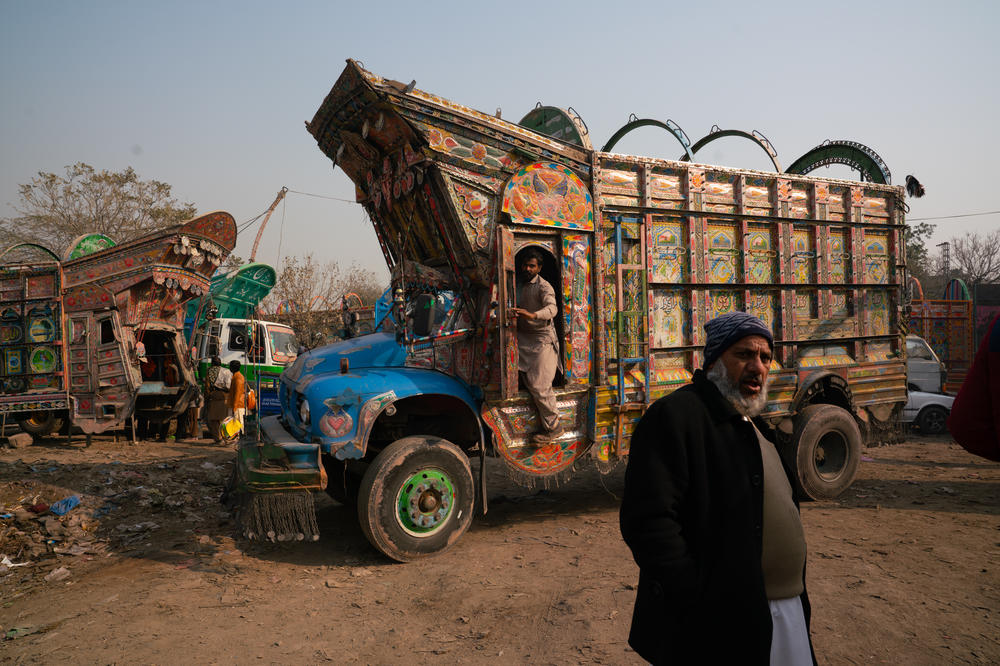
x,y
211,97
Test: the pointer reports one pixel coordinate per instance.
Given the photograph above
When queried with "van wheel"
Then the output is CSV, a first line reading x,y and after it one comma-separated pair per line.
x,y
932,420
416,498
827,450
39,424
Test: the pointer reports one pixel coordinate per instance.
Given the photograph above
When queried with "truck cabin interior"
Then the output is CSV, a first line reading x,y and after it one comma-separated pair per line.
x,y
161,364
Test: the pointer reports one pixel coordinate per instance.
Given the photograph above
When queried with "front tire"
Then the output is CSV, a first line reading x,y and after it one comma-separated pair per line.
x,y
416,498
827,450
932,420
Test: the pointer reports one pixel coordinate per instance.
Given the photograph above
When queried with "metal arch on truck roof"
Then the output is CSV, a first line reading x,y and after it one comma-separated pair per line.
x,y
35,246
850,153
562,124
717,133
635,123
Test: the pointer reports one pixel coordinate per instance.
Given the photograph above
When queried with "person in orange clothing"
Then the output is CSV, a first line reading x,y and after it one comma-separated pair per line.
x,y
237,393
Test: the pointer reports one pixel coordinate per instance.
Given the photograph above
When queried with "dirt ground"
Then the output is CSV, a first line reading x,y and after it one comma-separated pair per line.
x,y
904,568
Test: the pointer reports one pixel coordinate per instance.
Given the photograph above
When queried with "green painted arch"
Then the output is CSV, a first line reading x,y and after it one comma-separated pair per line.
x,y
850,153
636,123
754,136
34,246
561,124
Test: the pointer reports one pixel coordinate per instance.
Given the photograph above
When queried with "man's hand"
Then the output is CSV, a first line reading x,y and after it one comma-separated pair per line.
x,y
521,312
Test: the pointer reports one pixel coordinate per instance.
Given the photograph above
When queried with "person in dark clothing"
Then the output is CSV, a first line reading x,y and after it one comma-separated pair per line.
x,y
217,381
709,515
974,421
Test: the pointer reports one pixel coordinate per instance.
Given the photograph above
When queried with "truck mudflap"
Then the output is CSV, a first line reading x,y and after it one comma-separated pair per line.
x,y
272,485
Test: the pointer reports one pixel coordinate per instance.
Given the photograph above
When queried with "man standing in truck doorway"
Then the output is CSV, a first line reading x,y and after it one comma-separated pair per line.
x,y
709,514
537,344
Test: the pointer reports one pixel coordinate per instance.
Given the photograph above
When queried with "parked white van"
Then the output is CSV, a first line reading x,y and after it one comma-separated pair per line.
x,y
924,370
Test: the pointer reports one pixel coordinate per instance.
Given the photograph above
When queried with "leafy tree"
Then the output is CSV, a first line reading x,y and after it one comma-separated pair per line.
x,y
54,209
918,260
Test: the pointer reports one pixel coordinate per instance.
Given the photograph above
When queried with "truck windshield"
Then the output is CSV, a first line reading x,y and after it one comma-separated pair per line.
x,y
432,314
284,344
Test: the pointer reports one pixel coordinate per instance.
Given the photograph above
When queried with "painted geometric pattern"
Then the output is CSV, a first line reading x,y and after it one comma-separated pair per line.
x,y
669,368
721,302
823,355
878,312
459,146
667,252
632,331
839,303
879,351
548,194
474,208
608,308
761,257
838,256
722,253
577,305
876,257
803,257
805,304
762,305
671,318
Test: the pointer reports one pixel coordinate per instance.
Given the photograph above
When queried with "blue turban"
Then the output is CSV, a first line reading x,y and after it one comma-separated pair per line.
x,y
725,330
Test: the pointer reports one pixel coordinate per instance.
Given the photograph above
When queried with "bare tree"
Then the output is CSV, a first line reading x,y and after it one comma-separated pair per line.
x,y
54,209
308,295
977,257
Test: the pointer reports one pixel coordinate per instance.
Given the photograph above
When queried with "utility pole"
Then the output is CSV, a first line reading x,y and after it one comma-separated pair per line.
x,y
945,260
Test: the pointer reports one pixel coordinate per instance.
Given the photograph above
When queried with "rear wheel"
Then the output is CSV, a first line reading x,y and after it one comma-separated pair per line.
x,y
39,424
932,420
827,450
416,498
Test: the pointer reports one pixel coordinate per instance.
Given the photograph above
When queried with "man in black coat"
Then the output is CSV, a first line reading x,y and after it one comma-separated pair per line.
x,y
709,515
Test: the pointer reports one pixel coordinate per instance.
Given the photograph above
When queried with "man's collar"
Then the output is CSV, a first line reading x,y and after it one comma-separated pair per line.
x,y
720,408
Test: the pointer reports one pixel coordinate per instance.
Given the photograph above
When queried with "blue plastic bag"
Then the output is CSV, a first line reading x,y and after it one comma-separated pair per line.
x,y
64,506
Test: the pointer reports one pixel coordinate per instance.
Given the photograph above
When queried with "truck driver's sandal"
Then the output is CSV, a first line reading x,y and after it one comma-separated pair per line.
x,y
546,436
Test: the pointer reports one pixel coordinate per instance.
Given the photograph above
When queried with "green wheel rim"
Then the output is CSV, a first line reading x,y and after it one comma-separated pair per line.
x,y
425,502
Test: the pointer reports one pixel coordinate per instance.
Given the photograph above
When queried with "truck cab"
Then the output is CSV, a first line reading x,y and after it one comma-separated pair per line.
x,y
924,370
263,348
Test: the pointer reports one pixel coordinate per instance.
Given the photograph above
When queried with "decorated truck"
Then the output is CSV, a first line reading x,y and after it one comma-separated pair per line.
x,y
641,252
224,322
96,336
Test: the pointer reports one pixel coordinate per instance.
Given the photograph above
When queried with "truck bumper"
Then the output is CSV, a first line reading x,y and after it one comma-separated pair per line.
x,y
278,462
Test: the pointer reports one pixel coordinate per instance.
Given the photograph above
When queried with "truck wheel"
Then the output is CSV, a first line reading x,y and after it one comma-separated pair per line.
x,y
827,450
39,424
416,498
932,420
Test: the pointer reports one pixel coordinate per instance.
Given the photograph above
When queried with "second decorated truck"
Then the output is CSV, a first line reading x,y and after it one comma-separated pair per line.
x,y
641,253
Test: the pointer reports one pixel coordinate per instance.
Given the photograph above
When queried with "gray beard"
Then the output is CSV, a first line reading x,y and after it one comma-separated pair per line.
x,y
731,391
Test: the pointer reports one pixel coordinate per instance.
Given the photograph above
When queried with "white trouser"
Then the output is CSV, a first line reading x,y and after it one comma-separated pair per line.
x,y
790,636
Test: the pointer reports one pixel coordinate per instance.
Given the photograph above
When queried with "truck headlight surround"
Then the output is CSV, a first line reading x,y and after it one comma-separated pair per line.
x,y
304,412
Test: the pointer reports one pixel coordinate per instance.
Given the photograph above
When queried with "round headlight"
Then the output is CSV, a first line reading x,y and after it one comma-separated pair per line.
x,y
304,412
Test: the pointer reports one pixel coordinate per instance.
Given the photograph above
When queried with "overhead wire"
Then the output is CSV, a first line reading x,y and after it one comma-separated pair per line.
x,y
950,217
